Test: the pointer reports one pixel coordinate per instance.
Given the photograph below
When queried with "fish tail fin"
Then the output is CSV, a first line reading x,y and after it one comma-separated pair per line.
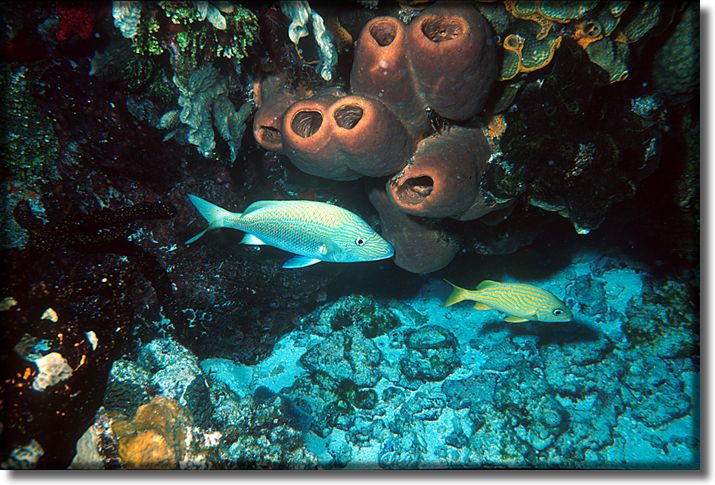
x,y
213,214
458,294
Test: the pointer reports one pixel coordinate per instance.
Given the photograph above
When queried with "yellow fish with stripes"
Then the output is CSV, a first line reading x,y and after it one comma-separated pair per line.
x,y
314,231
521,301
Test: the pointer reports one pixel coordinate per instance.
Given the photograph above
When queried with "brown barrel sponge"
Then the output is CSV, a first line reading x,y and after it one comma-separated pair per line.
x,y
444,177
309,141
381,70
420,247
273,96
453,57
371,139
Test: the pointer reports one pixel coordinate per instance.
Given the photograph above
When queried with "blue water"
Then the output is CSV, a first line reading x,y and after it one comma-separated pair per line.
x,y
471,391
574,394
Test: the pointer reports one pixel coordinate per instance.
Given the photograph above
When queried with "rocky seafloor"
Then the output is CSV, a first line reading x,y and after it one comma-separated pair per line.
x,y
366,383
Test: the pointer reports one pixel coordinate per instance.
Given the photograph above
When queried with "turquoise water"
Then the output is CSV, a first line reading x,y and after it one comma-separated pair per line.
x,y
575,394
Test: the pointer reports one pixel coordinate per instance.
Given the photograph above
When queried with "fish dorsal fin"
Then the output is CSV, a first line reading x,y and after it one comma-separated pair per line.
x,y
252,240
259,204
486,284
300,262
481,306
516,319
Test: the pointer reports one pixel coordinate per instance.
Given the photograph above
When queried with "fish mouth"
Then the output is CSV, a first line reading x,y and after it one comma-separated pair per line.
x,y
389,252
378,254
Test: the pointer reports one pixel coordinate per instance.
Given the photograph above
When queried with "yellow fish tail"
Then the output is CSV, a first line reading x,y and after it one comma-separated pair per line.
x,y
458,294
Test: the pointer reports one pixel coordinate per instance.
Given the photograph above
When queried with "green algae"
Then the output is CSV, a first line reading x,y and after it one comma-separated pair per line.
x,y
147,41
202,41
30,149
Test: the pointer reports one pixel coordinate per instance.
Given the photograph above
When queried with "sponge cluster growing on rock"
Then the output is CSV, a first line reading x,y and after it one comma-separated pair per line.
x,y
403,77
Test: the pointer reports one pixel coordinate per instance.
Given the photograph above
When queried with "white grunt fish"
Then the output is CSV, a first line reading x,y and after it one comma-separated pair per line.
x,y
314,231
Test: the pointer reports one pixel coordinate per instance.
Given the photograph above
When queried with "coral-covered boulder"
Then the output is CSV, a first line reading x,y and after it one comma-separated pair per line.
x,y
432,354
405,451
155,436
346,354
370,316
463,393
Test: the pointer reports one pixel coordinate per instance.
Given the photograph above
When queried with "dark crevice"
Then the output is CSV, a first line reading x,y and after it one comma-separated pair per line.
x,y
306,123
384,32
441,29
270,134
348,116
416,189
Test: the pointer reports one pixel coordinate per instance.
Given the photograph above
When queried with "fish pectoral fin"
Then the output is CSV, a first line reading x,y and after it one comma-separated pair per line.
x,y
252,240
516,319
300,262
486,284
481,306
323,249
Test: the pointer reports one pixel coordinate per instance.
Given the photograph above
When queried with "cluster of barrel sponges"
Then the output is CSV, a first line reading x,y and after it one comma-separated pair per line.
x,y
443,63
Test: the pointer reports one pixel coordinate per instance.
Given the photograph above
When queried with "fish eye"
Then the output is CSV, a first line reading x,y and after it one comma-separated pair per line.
x,y
558,312
360,241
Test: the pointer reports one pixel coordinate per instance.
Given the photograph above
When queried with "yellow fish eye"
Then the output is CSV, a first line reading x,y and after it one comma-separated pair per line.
x,y
360,241
557,311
